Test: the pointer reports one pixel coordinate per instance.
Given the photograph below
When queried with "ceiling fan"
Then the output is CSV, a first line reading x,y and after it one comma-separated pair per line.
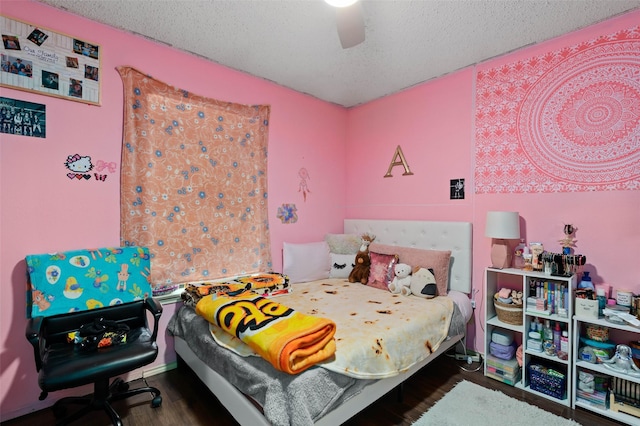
x,y
350,22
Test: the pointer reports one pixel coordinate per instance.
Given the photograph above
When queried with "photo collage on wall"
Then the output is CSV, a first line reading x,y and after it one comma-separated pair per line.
x,y
23,118
39,60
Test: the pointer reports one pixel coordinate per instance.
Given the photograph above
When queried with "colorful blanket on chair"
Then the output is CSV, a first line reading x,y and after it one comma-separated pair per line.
x,y
79,280
289,340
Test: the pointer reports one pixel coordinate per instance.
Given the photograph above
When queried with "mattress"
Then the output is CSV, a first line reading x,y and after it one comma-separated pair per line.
x,y
285,399
379,334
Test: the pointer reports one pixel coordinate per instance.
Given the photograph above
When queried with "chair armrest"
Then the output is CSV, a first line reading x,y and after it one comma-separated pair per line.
x,y
156,310
32,333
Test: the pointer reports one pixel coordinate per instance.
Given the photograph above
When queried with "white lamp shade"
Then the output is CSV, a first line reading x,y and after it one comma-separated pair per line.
x,y
503,225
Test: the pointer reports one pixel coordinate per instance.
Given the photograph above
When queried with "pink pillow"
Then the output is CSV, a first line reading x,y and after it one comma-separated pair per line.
x,y
438,260
382,269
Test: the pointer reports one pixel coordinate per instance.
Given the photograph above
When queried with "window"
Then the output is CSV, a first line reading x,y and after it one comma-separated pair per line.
x,y
193,183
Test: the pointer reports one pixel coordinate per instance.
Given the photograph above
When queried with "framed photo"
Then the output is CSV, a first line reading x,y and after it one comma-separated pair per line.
x,y
36,59
23,118
456,189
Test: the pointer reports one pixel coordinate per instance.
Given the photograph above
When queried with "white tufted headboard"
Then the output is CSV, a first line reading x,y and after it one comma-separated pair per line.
x,y
454,236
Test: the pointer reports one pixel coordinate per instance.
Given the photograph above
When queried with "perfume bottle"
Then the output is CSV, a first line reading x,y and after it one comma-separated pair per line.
x,y
518,254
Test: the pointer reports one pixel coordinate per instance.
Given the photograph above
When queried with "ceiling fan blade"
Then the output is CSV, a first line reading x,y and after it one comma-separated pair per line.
x,y
350,22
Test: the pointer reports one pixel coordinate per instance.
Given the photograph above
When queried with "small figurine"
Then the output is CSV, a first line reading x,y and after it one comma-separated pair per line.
x,y
568,241
622,362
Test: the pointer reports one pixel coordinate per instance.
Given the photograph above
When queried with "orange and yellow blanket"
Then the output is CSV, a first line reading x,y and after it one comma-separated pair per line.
x,y
264,284
289,340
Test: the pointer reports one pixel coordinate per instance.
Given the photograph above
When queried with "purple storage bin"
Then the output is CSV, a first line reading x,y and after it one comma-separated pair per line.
x,y
502,351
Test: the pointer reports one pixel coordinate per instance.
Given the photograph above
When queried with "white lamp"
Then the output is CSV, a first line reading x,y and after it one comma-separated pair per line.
x,y
502,226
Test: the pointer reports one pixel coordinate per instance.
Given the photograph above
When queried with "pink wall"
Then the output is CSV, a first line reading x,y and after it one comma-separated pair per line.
x,y
43,211
434,123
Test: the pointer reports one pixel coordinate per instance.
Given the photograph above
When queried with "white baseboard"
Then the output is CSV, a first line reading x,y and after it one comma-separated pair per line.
x,y
159,369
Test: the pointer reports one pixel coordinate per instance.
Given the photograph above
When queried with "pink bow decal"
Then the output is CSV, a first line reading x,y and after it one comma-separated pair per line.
x,y
73,158
101,165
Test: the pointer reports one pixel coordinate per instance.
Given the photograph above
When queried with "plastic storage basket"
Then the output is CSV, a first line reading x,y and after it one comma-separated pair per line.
x,y
598,333
547,381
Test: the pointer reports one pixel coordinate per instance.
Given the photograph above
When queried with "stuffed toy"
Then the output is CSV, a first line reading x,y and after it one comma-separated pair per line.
x,y
516,297
360,272
401,283
423,283
366,240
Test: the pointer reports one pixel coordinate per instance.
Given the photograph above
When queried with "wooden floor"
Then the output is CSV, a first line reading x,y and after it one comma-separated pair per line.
x,y
187,402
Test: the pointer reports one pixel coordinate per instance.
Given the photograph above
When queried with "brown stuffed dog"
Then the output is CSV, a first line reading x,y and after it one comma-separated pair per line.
x,y
360,272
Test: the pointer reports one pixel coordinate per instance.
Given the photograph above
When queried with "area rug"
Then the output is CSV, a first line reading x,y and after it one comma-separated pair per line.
x,y
471,404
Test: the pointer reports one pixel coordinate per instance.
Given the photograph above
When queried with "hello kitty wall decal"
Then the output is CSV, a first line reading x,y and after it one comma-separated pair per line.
x,y
80,167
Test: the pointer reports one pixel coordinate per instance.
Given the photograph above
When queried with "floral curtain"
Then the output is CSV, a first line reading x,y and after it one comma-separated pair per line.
x,y
194,182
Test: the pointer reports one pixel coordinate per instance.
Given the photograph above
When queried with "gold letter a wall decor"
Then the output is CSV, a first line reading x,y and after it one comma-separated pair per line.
x,y
398,160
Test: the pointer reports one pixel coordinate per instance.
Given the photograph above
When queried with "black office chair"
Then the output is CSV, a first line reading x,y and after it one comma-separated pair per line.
x,y
62,363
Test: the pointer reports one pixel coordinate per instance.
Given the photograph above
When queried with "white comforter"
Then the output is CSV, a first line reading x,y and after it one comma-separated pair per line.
x,y
378,334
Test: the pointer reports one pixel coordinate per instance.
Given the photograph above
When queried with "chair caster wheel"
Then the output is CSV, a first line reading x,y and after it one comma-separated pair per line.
x,y
59,411
156,402
123,387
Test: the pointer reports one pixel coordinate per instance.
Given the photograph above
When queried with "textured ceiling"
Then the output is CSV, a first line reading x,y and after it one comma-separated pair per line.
x,y
295,43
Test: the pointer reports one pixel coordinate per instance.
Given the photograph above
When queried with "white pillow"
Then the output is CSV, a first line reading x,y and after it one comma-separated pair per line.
x,y
306,262
341,265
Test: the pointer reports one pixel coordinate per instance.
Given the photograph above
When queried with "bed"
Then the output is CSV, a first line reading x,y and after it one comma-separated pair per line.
x,y
255,393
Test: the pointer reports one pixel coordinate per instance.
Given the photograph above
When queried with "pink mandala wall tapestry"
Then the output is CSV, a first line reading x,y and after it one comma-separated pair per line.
x,y
565,121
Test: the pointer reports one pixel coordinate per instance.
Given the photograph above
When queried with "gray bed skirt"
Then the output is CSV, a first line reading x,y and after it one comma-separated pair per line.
x,y
285,399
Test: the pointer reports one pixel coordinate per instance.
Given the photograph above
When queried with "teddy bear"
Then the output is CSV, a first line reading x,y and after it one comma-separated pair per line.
x,y
423,283
360,272
401,283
